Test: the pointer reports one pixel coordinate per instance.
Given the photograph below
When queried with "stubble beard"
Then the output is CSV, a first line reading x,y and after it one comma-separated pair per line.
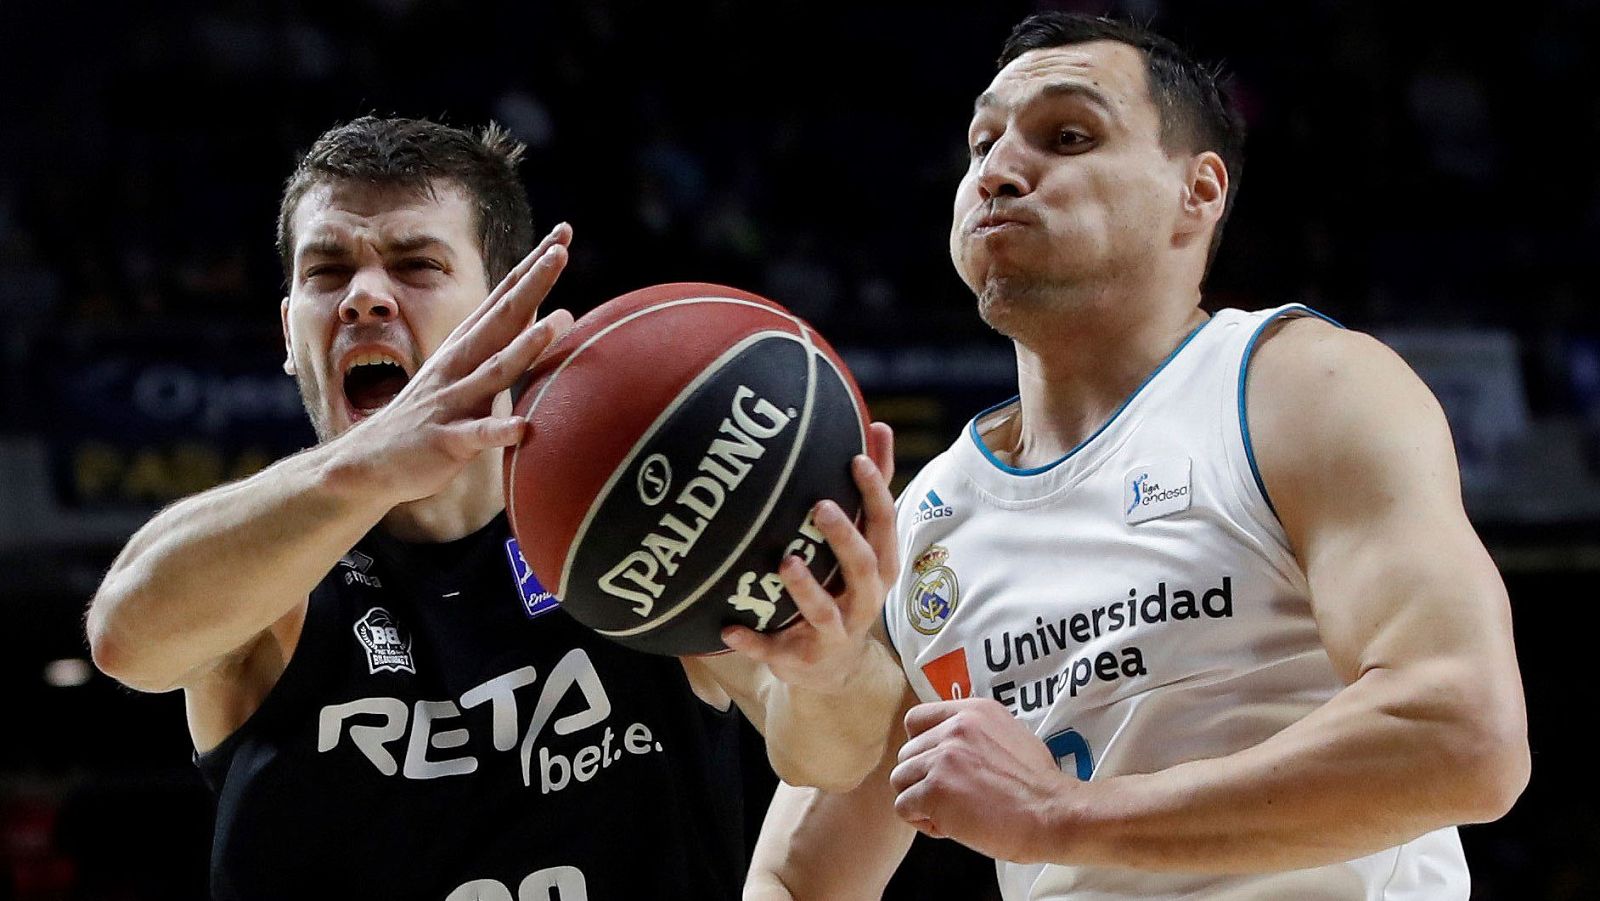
x,y
316,408
1011,304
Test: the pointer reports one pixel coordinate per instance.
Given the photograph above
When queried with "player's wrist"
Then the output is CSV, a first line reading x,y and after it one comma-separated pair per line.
x,y
1075,825
350,472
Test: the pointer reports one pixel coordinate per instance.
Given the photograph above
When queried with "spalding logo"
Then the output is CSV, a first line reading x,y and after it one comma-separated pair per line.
x,y
655,479
726,463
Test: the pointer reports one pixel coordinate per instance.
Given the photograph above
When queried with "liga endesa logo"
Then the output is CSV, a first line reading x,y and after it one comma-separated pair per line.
x,y
1156,490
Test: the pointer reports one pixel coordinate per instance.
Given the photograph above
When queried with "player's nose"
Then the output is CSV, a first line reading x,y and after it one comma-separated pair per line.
x,y
1004,170
368,300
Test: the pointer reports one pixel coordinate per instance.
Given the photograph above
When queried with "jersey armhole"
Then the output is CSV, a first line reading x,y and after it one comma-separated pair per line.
x,y
214,763
1291,311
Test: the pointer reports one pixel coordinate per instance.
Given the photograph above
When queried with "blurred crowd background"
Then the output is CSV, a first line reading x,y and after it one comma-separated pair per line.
x,y
1422,171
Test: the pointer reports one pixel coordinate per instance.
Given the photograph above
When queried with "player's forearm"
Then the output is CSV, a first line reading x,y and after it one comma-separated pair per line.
x,y
832,740
826,846
211,572
1390,758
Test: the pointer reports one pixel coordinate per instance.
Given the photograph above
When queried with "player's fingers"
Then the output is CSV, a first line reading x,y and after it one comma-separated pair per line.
x,y
510,315
503,368
862,578
816,605
520,304
561,322
880,447
921,743
877,508
923,717
909,772
561,234
494,431
750,643
914,803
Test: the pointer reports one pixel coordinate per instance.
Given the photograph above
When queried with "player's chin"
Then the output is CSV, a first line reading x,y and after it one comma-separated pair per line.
x,y
1003,302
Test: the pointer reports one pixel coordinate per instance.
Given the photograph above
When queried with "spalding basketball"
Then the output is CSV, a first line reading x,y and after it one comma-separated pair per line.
x,y
680,436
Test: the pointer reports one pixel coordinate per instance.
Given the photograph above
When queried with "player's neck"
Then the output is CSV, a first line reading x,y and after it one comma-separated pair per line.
x,y
474,497
1073,380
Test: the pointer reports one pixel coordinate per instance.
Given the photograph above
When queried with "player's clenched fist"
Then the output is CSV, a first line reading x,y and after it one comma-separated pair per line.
x,y
972,772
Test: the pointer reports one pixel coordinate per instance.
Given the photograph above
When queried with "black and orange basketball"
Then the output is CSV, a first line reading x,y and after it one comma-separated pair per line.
x,y
680,436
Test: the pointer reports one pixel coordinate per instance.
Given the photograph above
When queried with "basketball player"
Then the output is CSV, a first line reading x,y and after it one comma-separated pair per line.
x,y
1199,614
385,701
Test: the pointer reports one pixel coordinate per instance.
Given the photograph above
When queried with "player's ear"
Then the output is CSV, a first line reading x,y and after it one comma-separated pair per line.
x,y
1206,189
288,349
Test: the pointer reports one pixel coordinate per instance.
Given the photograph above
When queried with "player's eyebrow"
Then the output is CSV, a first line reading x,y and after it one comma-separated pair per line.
x,y
410,242
415,241
1054,89
324,247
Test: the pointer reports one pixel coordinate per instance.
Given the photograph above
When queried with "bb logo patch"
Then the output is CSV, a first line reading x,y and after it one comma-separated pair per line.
x,y
388,645
933,596
1156,490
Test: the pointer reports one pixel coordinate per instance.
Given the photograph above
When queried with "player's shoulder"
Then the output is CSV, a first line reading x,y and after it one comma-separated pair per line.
x,y
1313,365
1321,396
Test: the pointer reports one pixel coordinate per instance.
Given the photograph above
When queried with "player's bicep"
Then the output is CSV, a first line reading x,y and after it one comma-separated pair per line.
x,y
1357,458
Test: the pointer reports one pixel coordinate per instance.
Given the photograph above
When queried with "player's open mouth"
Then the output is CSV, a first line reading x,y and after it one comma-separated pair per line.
x,y
371,380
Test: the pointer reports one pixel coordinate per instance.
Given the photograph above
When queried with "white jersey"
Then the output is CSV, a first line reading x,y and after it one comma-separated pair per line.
x,y
1137,606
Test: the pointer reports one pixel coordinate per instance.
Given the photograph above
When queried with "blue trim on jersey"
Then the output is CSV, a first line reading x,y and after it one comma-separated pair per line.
x,y
972,427
1244,378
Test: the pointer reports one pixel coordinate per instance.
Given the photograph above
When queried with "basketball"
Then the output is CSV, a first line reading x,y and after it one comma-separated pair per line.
x,y
679,437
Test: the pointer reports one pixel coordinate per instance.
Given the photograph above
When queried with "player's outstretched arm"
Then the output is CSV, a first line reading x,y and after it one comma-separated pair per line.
x,y
824,690
220,579
1429,731
825,846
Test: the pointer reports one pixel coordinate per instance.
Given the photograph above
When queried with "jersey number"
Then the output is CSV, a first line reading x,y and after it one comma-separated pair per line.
x,y
1068,743
552,884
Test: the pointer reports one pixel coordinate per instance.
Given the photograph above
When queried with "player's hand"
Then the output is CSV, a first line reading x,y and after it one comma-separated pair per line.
x,y
454,408
972,772
830,645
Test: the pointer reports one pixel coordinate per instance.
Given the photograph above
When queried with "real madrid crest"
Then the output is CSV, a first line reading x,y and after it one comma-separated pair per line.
x,y
934,594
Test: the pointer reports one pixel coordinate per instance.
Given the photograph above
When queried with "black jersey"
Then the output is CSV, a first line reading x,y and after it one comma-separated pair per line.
x,y
444,731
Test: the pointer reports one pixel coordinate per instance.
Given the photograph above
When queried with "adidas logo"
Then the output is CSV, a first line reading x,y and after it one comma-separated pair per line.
x,y
931,507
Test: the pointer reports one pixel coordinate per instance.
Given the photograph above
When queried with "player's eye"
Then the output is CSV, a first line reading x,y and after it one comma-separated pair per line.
x,y
326,271
1071,139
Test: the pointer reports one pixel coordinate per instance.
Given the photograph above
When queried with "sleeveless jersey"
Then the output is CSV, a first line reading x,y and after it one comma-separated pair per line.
x,y
1136,604
445,731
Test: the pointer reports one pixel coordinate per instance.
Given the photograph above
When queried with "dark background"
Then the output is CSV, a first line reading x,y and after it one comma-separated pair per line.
x,y
1421,171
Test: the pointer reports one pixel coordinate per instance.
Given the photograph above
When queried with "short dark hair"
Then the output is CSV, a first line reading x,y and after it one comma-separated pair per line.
x,y
417,154
1196,114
